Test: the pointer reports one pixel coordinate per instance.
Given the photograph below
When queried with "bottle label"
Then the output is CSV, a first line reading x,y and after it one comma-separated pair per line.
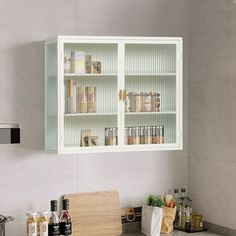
x,y
32,229
53,230
43,228
65,228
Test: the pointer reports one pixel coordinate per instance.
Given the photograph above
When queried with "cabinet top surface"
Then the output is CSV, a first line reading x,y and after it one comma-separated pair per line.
x,y
114,38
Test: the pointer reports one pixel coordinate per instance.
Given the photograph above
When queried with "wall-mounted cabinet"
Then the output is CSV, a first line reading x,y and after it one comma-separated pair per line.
x,y
113,94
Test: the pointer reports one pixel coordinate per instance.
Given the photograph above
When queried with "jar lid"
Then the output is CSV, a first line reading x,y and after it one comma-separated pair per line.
x,y
31,214
43,213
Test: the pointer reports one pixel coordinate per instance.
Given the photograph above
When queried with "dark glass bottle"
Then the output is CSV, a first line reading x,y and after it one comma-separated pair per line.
x,y
65,219
54,223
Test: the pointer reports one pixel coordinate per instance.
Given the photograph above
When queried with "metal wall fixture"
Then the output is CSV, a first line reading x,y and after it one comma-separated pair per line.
x,y
9,133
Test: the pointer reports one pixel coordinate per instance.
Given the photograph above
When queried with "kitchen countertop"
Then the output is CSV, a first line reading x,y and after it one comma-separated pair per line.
x,y
176,233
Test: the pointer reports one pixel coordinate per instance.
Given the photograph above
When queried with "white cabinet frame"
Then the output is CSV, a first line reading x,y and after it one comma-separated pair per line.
x,y
54,136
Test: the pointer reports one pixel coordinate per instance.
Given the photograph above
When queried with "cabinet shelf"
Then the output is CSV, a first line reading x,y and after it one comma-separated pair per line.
x,y
152,113
90,114
149,74
90,75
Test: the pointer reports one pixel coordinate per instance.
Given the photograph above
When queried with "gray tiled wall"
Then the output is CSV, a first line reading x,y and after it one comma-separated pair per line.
x,y
212,110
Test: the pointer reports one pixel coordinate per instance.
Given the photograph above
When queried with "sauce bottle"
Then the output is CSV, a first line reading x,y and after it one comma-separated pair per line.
x,y
53,224
65,219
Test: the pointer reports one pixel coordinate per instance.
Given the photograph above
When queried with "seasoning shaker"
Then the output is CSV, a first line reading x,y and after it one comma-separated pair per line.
x,y
130,136
136,131
162,139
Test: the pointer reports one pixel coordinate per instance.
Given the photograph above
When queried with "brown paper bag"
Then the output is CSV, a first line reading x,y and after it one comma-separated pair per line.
x,y
168,219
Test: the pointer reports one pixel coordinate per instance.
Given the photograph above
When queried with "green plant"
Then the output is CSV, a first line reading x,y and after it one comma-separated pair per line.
x,y
155,200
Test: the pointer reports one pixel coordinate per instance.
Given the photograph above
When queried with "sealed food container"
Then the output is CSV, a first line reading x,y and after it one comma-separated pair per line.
x,y
43,224
145,102
91,99
138,102
78,62
155,101
132,99
197,222
31,224
82,100
110,136
67,65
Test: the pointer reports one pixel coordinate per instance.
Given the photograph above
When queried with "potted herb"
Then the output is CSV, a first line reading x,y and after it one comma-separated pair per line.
x,y
152,215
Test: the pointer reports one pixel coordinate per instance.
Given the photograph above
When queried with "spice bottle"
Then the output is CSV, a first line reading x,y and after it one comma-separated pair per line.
x,y
147,135
53,224
156,134
162,139
32,224
136,135
65,219
142,136
43,224
130,136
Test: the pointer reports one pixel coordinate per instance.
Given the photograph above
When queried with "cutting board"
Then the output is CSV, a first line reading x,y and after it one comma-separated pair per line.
x,y
95,213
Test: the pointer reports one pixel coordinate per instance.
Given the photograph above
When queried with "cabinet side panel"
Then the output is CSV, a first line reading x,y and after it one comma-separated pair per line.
x,y
51,108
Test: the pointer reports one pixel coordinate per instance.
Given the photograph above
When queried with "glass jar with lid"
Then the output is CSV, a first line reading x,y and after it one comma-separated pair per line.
x,y
31,224
132,101
145,102
155,101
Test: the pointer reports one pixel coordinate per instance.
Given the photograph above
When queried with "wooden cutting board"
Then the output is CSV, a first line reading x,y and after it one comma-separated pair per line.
x,y
95,213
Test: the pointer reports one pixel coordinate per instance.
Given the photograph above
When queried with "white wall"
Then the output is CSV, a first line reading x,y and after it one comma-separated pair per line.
x,y
212,111
29,176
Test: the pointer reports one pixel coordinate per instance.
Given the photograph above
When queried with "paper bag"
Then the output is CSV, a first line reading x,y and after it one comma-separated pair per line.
x,y
151,220
168,218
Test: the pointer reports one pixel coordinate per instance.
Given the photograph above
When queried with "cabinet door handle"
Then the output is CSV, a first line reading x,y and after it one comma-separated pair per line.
x,y
124,95
120,95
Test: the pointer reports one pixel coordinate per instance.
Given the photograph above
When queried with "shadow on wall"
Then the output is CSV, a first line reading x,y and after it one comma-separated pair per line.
x,y
29,93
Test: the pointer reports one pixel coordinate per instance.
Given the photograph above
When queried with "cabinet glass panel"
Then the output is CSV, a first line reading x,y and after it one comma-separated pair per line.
x,y
90,82
150,95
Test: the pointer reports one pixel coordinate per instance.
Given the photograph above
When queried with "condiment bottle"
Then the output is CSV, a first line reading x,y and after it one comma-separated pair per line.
x,y
130,136
136,135
43,224
65,219
107,137
32,224
142,135
53,224
147,135
162,139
